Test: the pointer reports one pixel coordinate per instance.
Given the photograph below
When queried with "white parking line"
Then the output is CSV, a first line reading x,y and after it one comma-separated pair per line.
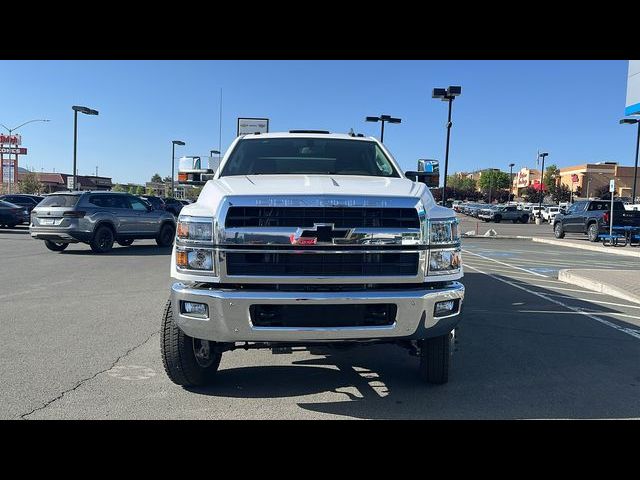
x,y
590,292
582,312
628,331
505,264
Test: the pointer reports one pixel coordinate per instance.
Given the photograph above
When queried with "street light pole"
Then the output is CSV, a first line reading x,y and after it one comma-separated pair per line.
x,y
11,130
86,111
631,121
383,119
511,165
539,218
448,94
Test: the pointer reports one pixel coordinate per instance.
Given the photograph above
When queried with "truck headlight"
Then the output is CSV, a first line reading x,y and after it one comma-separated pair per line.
x,y
443,232
195,229
198,259
444,261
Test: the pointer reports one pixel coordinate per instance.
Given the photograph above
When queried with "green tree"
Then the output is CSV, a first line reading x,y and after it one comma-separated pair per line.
x,y
494,180
139,190
118,188
149,191
551,175
30,183
532,195
192,193
561,194
156,178
167,179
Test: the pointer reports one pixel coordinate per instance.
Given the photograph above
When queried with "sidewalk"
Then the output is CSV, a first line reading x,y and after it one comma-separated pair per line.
x,y
623,284
593,246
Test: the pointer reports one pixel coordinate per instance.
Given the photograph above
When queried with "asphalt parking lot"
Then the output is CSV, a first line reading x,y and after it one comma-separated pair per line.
x,y
79,339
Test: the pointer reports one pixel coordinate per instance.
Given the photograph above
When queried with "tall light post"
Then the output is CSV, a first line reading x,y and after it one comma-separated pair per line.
x,y
631,121
86,111
447,95
511,165
11,130
383,119
539,217
173,162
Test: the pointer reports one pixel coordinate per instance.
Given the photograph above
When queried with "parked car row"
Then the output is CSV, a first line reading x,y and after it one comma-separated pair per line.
x,y
516,212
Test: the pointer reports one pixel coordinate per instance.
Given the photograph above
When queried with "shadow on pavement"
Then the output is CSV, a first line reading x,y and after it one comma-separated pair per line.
x,y
511,364
119,251
17,229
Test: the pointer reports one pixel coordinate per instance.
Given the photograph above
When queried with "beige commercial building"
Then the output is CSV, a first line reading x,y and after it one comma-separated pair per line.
x,y
523,179
593,177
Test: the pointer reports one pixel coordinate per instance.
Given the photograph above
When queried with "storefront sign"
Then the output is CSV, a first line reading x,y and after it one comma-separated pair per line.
x,y
11,140
13,151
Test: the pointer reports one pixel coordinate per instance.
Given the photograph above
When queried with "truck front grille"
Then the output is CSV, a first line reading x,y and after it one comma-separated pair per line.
x,y
322,264
323,316
304,217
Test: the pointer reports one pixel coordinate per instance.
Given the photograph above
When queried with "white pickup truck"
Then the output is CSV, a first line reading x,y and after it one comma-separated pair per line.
x,y
311,238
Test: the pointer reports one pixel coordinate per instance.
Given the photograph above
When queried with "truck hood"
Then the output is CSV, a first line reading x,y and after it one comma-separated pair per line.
x,y
314,186
317,185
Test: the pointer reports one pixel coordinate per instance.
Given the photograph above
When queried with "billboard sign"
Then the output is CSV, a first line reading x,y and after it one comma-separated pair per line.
x,y
633,89
253,125
13,151
70,184
574,178
8,171
10,139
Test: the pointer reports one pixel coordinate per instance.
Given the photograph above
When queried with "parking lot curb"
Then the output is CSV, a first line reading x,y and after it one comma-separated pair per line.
x,y
573,277
598,247
499,237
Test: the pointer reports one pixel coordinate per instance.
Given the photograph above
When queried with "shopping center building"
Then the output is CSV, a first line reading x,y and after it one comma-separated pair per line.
x,y
594,177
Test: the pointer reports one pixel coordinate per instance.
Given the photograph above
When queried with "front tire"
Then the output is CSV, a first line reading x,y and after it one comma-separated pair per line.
x,y
558,231
55,246
434,359
102,241
188,361
497,219
592,232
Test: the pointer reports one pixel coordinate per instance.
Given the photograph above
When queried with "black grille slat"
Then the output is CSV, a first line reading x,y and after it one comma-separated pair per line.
x,y
238,217
323,316
324,264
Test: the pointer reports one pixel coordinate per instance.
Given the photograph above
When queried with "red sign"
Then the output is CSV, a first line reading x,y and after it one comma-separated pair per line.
x,y
574,178
11,140
13,151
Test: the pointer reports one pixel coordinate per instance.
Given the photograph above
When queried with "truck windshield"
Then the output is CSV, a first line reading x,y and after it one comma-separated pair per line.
x,y
330,156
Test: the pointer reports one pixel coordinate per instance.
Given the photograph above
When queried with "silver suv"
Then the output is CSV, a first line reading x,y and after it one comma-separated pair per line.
x,y
98,219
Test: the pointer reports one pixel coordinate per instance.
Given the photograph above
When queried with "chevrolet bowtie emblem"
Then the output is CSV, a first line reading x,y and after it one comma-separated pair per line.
x,y
319,233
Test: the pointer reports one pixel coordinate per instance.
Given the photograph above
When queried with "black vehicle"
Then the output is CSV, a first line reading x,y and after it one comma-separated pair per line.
x,y
592,218
156,202
12,215
23,200
173,205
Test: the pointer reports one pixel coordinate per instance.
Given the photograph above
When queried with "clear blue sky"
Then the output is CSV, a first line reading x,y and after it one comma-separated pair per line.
x,y
508,109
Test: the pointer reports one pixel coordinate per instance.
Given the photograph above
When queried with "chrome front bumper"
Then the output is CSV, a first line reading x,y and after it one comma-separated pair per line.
x,y
229,319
